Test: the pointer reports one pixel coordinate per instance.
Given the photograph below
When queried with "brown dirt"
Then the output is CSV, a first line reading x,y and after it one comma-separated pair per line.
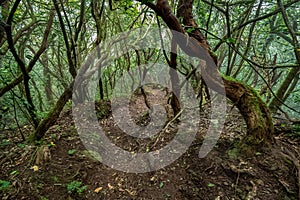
x,y
270,175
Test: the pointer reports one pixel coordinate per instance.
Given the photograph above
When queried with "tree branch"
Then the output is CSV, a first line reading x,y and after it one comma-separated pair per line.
x,y
72,69
21,64
31,64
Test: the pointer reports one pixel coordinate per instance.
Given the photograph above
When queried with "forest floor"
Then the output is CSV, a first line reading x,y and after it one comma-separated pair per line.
x,y
60,167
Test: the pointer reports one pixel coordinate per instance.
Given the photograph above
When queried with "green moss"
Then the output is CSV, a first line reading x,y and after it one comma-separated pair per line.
x,y
256,133
229,78
233,153
31,138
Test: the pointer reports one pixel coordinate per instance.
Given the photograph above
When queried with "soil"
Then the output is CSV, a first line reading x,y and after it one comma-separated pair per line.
x,y
48,169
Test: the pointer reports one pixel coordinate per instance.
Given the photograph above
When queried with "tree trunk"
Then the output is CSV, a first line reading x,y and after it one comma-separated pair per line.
x,y
175,104
254,110
251,106
281,93
47,77
52,116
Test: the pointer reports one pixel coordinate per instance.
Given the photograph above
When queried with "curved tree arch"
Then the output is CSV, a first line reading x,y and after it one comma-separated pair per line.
x,y
254,110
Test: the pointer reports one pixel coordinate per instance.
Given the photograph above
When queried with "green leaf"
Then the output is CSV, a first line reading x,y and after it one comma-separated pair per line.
x,y
5,142
180,19
189,30
71,152
211,185
231,40
80,190
4,185
233,153
76,186
15,172
161,184
21,145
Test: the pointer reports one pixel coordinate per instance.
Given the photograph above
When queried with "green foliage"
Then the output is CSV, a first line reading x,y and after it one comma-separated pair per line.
x,y
297,129
41,114
15,172
21,145
39,142
161,185
231,40
55,179
76,186
5,142
233,153
270,39
258,154
4,185
189,30
71,152
211,185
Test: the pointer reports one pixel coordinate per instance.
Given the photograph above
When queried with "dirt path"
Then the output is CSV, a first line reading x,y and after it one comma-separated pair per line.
x,y
72,173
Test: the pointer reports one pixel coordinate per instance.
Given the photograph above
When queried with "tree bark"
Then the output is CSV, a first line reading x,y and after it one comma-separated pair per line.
x,y
281,93
31,108
47,77
251,106
52,116
175,104
31,64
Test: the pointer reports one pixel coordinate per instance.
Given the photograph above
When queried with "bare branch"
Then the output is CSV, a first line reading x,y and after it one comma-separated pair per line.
x,y
31,64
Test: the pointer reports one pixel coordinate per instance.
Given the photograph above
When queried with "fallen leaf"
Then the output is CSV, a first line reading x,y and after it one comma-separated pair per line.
x,y
110,186
52,144
153,178
97,190
35,168
132,193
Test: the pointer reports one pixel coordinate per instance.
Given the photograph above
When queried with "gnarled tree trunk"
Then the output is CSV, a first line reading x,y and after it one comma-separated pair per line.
x,y
251,106
52,116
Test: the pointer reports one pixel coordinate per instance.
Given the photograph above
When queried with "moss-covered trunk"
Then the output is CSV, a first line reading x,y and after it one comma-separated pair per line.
x,y
254,110
251,106
52,116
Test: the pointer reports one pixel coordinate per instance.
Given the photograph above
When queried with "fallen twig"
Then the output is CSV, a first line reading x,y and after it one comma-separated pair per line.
x,y
166,126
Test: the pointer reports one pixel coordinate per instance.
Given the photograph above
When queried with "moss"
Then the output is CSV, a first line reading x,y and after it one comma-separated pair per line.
x,y
233,153
229,78
257,100
256,114
31,138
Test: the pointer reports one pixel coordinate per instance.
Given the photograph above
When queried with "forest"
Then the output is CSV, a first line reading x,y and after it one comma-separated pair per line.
x,y
150,99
